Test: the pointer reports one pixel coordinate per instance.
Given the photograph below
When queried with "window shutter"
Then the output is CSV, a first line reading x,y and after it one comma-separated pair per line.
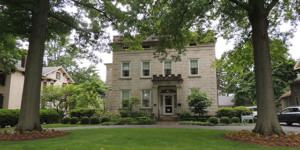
x,y
1,101
2,78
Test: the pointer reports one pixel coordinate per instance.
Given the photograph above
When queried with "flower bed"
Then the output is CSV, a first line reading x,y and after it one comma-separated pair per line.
x,y
11,135
289,140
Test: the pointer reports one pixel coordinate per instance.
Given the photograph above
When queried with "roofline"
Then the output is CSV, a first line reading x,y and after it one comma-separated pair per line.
x,y
60,67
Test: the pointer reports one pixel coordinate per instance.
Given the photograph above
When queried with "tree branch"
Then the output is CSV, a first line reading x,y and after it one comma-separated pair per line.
x,y
270,6
240,4
89,5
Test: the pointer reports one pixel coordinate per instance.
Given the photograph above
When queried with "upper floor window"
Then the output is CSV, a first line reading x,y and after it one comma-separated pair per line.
x,y
124,95
2,78
146,69
58,75
125,69
167,67
45,83
194,67
1,101
146,98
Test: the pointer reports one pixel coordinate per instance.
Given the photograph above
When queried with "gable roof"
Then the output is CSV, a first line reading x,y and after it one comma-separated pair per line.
x,y
48,70
297,66
287,94
296,81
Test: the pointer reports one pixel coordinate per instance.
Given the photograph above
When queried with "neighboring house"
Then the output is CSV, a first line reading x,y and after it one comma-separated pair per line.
x,y
225,101
11,86
292,97
162,87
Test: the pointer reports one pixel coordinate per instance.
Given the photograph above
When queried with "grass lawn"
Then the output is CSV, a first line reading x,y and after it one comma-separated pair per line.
x,y
136,139
57,125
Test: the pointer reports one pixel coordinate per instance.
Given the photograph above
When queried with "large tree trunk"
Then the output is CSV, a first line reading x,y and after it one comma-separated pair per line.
x,y
267,121
30,108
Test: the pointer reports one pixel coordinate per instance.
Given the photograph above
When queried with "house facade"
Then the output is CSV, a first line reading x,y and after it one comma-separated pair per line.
x,y
162,87
292,97
11,86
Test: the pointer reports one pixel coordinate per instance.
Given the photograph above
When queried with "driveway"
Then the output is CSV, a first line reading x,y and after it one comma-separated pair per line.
x,y
294,128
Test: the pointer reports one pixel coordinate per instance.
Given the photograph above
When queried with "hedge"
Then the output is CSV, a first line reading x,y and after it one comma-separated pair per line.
x,y
83,112
11,116
233,112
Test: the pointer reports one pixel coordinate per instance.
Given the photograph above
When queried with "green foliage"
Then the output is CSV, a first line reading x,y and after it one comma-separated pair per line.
x,y
74,120
198,102
66,120
140,113
108,123
49,116
9,117
184,114
225,120
130,103
95,120
84,120
82,112
236,75
213,120
124,113
104,119
233,112
195,123
235,120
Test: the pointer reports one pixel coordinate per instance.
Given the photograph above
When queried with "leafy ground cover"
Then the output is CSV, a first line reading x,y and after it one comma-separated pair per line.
x,y
137,139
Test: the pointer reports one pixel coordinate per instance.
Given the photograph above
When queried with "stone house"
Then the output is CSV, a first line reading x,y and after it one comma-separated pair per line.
x,y
292,97
162,87
11,85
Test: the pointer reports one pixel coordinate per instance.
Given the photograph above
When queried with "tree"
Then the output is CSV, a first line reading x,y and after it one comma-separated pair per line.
x,y
198,102
172,21
236,72
130,103
39,17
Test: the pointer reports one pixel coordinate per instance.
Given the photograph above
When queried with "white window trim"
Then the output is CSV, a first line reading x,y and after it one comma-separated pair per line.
x,y
150,98
164,67
190,72
142,75
122,69
121,98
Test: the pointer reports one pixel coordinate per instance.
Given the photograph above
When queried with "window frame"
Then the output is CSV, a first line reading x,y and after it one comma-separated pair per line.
x,y
122,74
142,98
142,69
45,83
190,67
123,90
164,73
58,75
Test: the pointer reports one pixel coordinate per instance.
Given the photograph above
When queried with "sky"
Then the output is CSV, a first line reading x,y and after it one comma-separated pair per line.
x,y
221,46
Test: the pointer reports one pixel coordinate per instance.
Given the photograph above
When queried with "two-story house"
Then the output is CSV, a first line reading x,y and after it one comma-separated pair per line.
x,y
162,87
11,85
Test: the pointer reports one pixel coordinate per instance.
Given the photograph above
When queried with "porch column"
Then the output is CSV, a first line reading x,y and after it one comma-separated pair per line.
x,y
179,99
155,103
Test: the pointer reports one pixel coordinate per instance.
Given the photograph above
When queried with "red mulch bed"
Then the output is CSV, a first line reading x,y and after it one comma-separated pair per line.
x,y
11,135
291,139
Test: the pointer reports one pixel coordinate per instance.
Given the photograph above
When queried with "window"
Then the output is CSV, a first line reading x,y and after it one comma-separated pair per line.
x,y
2,78
125,69
58,75
167,68
194,67
51,83
146,69
146,98
1,101
45,83
125,95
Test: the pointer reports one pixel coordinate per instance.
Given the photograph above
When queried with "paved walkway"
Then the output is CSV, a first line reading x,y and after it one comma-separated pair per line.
x,y
295,128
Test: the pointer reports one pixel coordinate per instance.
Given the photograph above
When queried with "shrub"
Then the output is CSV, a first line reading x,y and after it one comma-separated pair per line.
x,y
225,120
184,115
83,112
95,120
108,123
124,113
8,117
226,112
104,119
213,120
123,121
84,120
198,102
235,120
49,116
74,120
242,110
195,123
66,120
140,113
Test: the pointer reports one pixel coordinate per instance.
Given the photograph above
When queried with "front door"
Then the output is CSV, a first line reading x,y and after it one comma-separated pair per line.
x,y
168,105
